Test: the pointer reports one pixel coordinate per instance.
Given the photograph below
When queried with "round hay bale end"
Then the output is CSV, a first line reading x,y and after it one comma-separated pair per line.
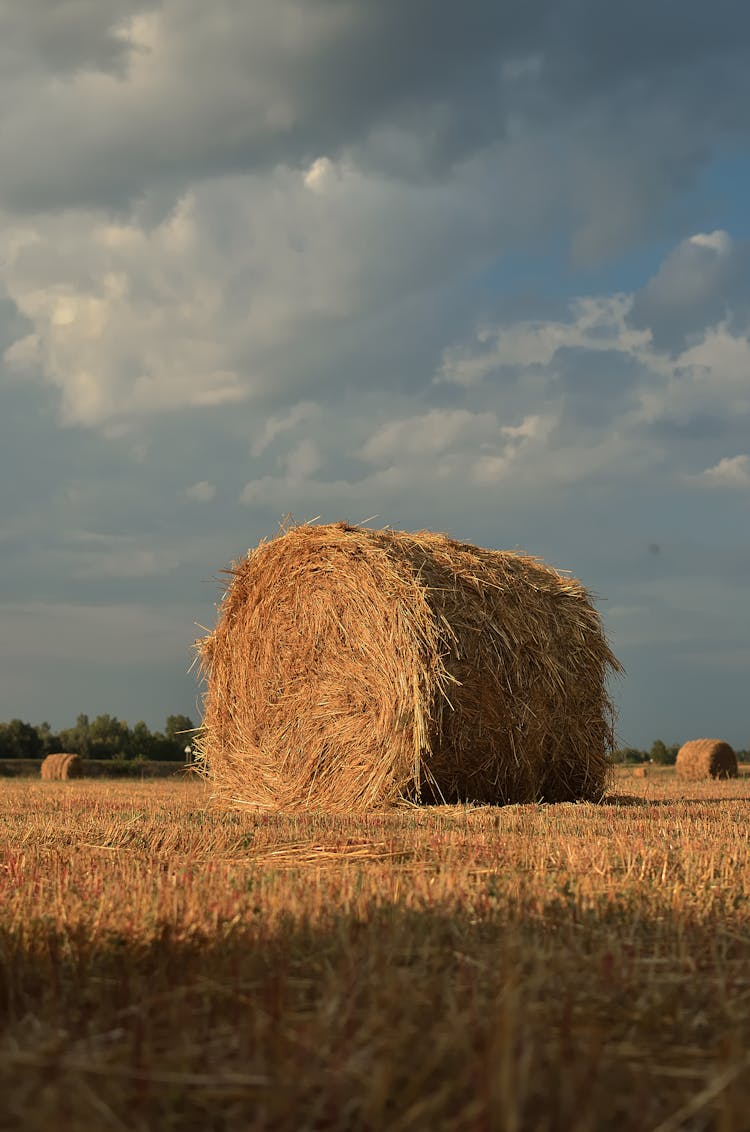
x,y
350,668
49,769
706,758
61,766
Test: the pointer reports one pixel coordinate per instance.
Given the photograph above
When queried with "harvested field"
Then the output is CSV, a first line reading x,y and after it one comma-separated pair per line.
x,y
564,967
353,667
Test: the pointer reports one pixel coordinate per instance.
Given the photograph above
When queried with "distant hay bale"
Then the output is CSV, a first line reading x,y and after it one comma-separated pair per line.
x,y
49,767
706,758
640,772
350,668
61,766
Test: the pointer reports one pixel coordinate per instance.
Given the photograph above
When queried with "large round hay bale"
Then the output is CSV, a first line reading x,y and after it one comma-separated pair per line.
x,y
352,667
706,758
62,766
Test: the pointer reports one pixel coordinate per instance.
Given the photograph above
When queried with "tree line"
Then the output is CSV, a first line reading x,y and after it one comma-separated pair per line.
x,y
105,737
661,753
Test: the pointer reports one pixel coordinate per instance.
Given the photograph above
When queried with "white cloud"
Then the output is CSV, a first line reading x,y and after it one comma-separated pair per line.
x,y
466,447
456,449
249,287
201,492
585,399
303,461
719,241
300,414
334,498
491,468
731,471
319,174
123,323
429,435
594,320
531,428
223,390
550,371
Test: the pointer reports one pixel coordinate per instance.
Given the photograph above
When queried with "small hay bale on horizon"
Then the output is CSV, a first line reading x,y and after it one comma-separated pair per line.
x,y
352,668
706,758
640,772
61,766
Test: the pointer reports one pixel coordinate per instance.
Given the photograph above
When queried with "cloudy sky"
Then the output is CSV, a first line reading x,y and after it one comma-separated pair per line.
x,y
485,272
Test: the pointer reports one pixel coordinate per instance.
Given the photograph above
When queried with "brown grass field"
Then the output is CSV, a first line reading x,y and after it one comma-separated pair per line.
x,y
546,968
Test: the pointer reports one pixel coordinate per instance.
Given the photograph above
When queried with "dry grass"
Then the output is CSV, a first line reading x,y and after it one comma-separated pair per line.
x,y
558,968
706,758
352,667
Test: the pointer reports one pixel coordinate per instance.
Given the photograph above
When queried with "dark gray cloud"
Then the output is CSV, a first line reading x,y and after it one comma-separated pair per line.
x,y
705,280
700,425
12,324
61,37
411,88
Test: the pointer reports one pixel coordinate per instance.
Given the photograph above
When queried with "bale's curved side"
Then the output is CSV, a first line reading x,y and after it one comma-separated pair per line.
x,y
706,758
350,667
71,767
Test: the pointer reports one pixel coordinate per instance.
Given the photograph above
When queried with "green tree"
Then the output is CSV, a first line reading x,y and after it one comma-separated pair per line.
x,y
50,741
77,740
178,734
629,755
658,752
662,754
109,738
142,742
19,740
179,729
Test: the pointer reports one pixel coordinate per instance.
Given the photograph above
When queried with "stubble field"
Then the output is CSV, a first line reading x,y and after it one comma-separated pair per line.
x,y
562,968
